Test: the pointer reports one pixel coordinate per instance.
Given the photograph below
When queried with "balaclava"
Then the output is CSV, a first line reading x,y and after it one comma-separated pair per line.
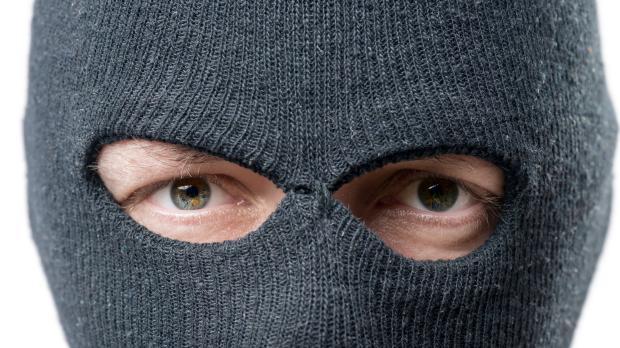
x,y
311,94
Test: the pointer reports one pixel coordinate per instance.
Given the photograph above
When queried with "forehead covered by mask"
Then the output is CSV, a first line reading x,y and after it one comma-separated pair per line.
x,y
311,94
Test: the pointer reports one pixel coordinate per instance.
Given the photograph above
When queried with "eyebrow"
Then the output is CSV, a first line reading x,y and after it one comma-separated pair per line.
x,y
126,164
167,154
452,159
184,154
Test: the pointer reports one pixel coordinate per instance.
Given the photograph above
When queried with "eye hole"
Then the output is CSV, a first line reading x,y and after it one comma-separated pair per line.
x,y
428,209
180,193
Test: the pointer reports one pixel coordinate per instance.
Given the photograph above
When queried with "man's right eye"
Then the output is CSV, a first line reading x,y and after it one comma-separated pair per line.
x,y
205,208
192,193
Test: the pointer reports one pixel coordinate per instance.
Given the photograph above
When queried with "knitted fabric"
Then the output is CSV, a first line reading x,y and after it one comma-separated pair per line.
x,y
312,94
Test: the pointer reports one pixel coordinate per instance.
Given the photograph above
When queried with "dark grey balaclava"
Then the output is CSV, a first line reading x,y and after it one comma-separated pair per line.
x,y
312,94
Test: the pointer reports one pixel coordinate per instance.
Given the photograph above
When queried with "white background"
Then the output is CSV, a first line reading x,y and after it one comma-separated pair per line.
x,y
27,315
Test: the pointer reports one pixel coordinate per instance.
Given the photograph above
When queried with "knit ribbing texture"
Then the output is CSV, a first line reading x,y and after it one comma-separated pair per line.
x,y
312,94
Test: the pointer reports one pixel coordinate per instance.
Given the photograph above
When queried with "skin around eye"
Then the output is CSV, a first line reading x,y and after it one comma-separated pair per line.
x,y
429,209
182,194
198,210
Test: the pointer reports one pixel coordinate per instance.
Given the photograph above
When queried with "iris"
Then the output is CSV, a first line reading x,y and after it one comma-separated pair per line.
x,y
190,193
438,194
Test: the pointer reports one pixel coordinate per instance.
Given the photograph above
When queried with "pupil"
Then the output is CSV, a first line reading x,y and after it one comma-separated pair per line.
x,y
190,193
438,194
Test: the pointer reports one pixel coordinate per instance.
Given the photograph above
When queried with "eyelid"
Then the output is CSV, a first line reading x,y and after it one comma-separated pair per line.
x,y
223,181
142,193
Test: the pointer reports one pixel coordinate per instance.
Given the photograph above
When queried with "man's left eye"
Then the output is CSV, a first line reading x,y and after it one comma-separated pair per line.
x,y
435,194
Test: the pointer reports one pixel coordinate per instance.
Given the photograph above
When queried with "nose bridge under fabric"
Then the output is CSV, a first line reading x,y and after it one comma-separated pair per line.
x,y
372,296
